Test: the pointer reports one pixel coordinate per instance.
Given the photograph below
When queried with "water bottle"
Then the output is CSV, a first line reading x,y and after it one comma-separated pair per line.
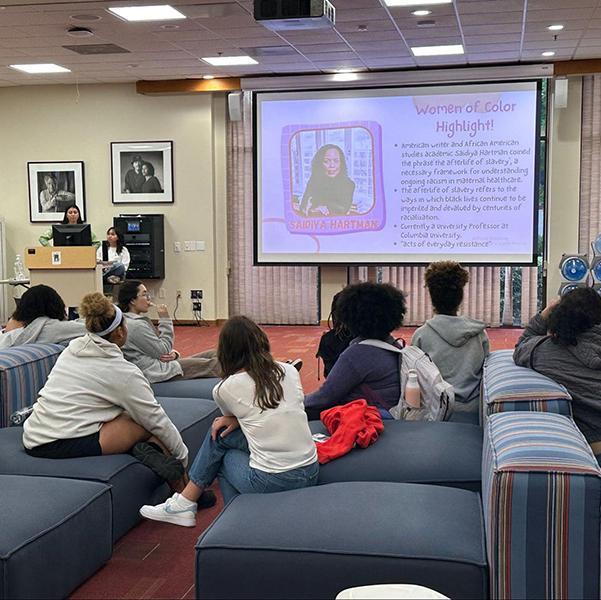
x,y
21,415
413,395
19,271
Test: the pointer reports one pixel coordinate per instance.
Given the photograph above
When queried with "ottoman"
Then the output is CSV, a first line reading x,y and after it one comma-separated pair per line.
x,y
55,534
316,542
440,453
186,388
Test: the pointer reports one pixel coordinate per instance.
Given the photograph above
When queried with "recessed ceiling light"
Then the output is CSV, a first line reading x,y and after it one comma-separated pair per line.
x,y
85,18
344,75
437,50
555,27
415,2
40,68
208,76
169,26
228,61
548,53
163,12
421,13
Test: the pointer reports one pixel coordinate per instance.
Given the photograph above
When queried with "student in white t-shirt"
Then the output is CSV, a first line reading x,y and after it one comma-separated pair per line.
x,y
262,443
118,259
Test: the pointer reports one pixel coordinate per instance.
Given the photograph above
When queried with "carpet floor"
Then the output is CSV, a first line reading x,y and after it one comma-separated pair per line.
x,y
155,560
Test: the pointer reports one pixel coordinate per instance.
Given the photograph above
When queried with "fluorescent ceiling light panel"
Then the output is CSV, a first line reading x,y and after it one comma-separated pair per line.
x,y
41,68
437,50
548,53
421,13
345,76
229,61
163,12
555,27
394,3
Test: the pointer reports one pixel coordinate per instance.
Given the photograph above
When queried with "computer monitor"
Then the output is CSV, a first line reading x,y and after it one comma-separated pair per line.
x,y
72,235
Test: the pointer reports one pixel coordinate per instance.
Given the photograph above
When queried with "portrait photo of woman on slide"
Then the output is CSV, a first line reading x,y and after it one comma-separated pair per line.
x,y
329,191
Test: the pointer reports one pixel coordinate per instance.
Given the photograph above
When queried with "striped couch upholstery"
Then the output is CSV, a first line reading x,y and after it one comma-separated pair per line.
x,y
541,493
23,373
507,387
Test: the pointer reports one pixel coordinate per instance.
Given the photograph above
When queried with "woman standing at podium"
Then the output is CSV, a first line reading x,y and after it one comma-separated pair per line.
x,y
72,216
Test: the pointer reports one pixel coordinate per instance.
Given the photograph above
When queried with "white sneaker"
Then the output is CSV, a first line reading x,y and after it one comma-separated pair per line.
x,y
171,511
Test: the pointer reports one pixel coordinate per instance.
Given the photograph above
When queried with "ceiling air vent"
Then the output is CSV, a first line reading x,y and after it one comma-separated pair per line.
x,y
90,49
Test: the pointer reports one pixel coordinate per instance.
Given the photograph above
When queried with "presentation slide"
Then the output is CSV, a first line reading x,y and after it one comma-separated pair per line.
x,y
397,175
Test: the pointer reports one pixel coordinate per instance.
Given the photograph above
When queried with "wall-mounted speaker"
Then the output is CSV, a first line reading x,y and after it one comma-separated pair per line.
x,y
574,268
566,288
561,93
234,106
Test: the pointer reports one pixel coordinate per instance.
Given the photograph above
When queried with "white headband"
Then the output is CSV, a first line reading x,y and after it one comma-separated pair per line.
x,y
116,322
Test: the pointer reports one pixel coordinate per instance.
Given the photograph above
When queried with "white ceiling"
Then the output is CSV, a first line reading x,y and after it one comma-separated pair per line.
x,y
367,36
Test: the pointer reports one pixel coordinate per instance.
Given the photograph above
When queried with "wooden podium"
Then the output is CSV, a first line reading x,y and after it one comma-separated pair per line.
x,y
71,270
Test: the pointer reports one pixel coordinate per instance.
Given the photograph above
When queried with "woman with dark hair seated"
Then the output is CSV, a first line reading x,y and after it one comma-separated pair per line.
x,y
368,311
40,317
563,342
151,349
262,443
456,344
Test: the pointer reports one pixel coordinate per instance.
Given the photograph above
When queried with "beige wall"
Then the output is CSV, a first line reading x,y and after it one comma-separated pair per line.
x,y
55,123
563,192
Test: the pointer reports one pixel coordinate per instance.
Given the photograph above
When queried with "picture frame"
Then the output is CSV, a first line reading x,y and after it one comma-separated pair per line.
x,y
52,187
142,172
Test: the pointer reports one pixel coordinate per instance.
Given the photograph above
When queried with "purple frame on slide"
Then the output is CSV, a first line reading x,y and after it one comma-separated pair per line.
x,y
372,220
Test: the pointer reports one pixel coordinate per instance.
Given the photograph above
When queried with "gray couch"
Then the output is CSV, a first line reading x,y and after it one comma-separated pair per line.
x,y
533,532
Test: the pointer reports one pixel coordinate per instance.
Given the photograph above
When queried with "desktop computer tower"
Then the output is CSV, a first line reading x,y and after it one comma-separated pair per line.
x,y
144,236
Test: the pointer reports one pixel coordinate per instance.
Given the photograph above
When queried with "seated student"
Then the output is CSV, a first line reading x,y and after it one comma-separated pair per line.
x,y
72,216
369,311
118,259
456,344
151,350
95,402
262,443
563,342
40,317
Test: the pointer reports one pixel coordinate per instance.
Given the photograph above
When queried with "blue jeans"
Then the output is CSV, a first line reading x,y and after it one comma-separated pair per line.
x,y
227,458
117,269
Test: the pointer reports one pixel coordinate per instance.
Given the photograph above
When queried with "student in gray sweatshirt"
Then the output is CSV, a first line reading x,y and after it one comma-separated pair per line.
x,y
151,349
564,343
457,344
40,317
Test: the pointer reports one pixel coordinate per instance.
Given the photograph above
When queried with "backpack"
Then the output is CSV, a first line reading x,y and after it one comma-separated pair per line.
x,y
438,396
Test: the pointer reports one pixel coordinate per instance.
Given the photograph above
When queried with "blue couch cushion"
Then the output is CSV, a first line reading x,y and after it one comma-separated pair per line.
x,y
441,453
186,388
541,492
507,387
315,542
132,484
23,373
55,534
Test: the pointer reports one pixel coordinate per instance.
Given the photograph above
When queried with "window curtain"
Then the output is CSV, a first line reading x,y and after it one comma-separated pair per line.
x,y
269,295
590,170
481,298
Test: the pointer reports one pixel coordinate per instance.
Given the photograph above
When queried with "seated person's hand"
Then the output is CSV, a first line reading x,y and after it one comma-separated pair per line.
x,y
163,311
173,355
324,210
230,423
12,324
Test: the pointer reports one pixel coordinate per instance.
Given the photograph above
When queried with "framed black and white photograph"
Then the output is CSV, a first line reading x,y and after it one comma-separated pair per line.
x,y
53,186
142,172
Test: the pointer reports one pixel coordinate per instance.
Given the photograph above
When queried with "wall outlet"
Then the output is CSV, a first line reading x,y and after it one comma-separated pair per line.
x,y
197,305
195,294
200,246
178,294
161,292
177,246
189,246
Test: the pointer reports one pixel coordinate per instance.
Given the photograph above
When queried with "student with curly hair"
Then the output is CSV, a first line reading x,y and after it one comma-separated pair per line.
x,y
95,402
563,342
262,443
368,311
456,344
40,317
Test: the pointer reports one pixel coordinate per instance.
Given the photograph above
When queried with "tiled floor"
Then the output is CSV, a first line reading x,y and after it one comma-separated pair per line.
x,y
155,560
